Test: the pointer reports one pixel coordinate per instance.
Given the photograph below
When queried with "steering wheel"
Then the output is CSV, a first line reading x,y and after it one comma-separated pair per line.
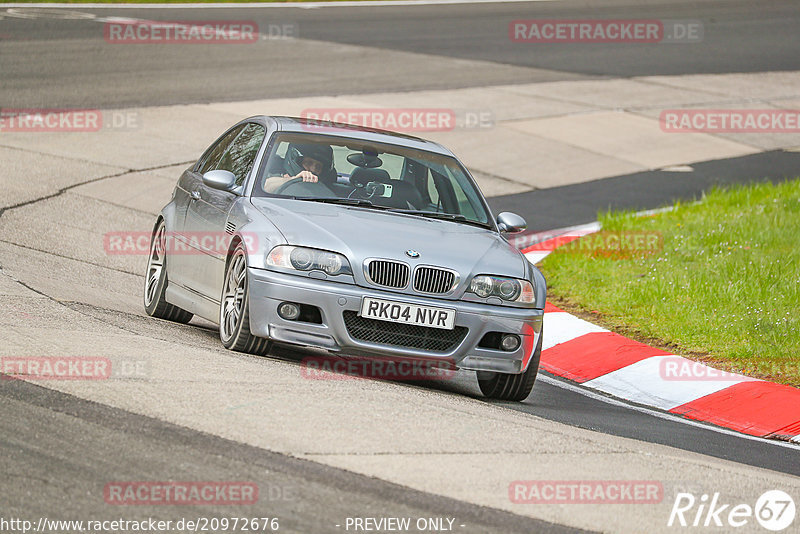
x,y
359,182
305,188
280,189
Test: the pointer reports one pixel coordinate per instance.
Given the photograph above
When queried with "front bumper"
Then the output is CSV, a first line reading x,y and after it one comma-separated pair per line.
x,y
268,289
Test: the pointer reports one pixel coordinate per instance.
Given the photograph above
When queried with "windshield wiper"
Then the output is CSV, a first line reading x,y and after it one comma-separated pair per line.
x,y
358,202
444,216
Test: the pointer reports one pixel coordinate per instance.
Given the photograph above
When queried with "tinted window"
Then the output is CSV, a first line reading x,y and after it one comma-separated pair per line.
x,y
242,153
213,156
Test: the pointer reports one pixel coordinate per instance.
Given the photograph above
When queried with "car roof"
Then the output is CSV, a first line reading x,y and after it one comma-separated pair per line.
x,y
351,131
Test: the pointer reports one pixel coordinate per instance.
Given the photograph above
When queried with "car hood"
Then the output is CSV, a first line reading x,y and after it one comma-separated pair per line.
x,y
361,233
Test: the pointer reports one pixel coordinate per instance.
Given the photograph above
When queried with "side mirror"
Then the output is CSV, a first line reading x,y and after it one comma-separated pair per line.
x,y
219,179
511,223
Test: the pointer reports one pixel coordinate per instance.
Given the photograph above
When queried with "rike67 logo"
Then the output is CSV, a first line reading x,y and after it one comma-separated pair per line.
x,y
774,510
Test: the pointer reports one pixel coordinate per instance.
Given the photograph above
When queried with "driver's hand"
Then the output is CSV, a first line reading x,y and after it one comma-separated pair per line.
x,y
307,176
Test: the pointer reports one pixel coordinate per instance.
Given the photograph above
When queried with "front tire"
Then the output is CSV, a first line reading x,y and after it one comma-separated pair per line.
x,y
155,281
508,387
234,308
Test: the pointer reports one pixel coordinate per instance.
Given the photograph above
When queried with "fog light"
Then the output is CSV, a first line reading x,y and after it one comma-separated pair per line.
x,y
510,342
289,311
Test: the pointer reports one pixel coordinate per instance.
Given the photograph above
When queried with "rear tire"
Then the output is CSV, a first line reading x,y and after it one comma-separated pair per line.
x,y
234,308
508,387
155,281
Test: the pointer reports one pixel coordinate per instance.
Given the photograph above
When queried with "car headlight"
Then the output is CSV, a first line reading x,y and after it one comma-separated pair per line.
x,y
308,259
508,289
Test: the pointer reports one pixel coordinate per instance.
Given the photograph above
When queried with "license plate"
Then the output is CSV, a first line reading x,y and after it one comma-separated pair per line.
x,y
399,312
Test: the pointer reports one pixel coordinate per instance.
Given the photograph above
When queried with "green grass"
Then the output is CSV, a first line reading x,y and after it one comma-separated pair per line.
x,y
725,289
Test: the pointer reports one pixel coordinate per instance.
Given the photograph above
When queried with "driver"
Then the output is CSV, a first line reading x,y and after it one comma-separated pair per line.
x,y
310,162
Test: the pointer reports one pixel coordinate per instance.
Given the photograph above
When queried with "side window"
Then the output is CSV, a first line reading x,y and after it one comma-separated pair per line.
x,y
213,156
242,152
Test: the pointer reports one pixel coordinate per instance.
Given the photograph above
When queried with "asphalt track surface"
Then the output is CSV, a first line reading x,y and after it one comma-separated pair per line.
x,y
546,209
306,496
56,62
49,62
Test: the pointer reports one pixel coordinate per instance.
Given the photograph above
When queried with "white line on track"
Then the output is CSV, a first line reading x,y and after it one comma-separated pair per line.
x,y
297,5
661,415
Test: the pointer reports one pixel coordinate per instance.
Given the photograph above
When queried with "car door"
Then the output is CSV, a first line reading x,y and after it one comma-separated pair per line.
x,y
183,253
207,213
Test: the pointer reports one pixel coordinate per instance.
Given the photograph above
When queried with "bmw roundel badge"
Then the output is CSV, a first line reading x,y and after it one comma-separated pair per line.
x,y
412,253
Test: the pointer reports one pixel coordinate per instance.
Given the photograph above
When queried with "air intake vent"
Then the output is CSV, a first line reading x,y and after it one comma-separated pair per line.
x,y
230,228
434,281
387,273
403,335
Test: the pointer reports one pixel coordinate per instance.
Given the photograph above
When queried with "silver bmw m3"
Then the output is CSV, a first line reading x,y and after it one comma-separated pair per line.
x,y
362,242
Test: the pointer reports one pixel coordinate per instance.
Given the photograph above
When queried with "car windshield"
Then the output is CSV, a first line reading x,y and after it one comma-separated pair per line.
x,y
320,168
